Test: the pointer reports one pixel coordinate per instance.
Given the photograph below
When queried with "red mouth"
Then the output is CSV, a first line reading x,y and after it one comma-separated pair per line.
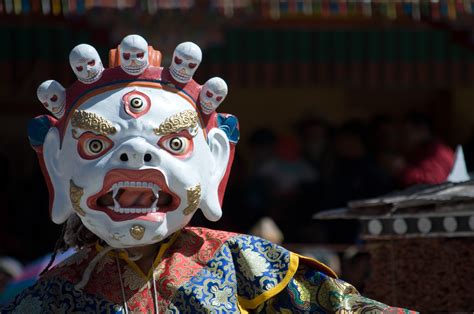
x,y
134,194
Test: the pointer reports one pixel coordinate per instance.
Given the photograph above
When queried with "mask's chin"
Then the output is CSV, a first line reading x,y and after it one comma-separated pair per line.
x,y
132,233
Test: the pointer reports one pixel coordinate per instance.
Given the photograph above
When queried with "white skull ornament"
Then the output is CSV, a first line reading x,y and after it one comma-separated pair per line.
x,y
186,59
212,94
53,97
134,54
86,63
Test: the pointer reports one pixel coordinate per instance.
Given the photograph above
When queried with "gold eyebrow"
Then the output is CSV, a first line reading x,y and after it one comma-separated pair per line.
x,y
92,122
187,119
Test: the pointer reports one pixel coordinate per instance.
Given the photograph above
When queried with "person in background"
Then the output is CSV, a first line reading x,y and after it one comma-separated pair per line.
x,y
314,134
426,159
350,173
315,138
256,195
289,174
384,141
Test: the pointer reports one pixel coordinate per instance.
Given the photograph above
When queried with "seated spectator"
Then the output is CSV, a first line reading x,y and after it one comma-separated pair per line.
x,y
426,160
314,134
350,173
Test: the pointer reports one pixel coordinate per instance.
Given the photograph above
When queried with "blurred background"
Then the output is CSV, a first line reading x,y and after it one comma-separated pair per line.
x,y
338,100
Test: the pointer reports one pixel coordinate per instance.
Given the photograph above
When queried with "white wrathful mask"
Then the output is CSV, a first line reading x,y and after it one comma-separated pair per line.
x,y
130,156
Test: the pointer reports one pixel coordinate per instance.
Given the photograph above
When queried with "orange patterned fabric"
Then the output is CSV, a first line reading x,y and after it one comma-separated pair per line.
x,y
188,255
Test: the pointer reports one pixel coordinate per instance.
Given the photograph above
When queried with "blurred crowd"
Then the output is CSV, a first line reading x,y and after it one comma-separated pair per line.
x,y
318,166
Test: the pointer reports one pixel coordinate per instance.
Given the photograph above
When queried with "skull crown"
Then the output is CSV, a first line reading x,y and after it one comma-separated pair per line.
x,y
86,63
186,59
134,54
53,96
212,95
134,57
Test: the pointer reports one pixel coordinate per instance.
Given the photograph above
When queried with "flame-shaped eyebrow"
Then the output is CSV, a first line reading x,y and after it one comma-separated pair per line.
x,y
92,122
183,120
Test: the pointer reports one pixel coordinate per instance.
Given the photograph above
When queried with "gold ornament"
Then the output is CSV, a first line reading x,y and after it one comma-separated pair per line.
x,y
194,199
92,122
187,119
137,232
75,194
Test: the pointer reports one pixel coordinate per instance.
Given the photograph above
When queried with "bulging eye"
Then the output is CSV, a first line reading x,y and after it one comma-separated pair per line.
x,y
136,103
91,146
140,55
177,144
126,55
91,63
178,60
79,68
209,94
192,65
95,146
180,144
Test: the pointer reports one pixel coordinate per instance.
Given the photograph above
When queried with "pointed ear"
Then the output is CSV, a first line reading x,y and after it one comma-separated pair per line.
x,y
61,207
220,151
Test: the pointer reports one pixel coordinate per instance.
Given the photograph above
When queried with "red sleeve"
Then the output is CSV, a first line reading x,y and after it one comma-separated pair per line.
x,y
432,167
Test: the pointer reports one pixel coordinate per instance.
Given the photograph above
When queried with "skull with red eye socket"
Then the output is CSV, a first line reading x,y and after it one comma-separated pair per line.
x,y
179,144
134,54
86,63
186,59
53,97
136,103
212,94
92,146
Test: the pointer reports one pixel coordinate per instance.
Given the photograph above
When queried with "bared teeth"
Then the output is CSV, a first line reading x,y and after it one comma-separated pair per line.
x,y
135,210
125,184
153,206
115,189
156,189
